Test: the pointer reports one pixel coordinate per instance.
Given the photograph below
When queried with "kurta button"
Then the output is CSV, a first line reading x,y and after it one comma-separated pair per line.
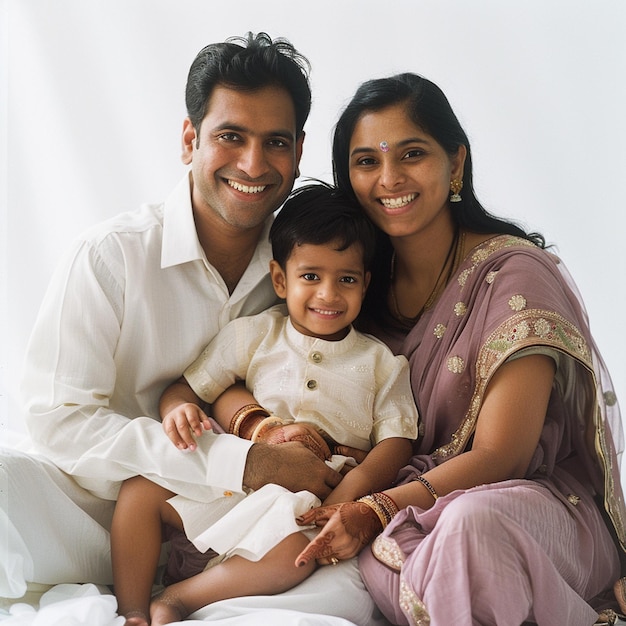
x,y
316,357
228,493
311,384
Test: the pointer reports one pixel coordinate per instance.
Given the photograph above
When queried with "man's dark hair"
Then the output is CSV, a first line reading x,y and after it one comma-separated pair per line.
x,y
247,64
319,214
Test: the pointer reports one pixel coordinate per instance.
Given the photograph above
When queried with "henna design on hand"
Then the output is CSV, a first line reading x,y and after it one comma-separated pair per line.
x,y
360,521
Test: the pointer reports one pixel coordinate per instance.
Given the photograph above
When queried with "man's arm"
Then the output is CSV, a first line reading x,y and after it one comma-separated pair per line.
x,y
289,464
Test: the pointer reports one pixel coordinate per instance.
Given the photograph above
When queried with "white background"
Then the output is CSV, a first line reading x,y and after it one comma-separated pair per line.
x,y
92,103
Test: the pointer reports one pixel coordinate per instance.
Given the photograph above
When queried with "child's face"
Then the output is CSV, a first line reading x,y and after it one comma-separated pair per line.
x,y
324,288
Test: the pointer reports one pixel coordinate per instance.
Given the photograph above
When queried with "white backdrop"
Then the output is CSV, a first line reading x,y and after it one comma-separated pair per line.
x,y
92,103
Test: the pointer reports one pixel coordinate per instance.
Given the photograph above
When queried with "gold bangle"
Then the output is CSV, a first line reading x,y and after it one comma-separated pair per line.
x,y
266,424
242,415
428,486
384,507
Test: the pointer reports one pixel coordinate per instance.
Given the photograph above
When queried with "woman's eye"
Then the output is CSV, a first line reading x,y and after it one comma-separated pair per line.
x,y
416,152
366,161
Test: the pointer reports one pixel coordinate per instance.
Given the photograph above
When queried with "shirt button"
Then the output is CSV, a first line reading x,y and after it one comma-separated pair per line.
x,y
311,384
228,494
316,357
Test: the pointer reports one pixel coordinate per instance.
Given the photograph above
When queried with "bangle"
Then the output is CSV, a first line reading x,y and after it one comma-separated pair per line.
x,y
384,507
242,415
265,425
431,489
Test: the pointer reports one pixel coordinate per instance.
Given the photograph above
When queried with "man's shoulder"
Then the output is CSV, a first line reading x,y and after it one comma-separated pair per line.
x,y
141,221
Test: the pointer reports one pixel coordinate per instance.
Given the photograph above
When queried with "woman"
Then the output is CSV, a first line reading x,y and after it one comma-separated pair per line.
x,y
508,509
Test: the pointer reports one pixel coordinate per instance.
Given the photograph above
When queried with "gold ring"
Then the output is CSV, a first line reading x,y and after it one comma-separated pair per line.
x,y
334,560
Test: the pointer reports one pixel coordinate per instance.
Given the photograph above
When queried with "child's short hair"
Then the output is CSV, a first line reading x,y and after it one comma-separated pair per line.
x,y
318,214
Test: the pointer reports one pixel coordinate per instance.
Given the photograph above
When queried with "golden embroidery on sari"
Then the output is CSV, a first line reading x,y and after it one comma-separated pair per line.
x,y
439,331
412,606
387,551
517,303
456,364
460,308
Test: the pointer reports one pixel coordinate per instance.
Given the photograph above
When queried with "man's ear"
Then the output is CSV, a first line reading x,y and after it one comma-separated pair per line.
x,y
279,280
188,141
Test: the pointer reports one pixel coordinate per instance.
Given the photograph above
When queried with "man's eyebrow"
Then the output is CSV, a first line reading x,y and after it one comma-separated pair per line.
x,y
279,132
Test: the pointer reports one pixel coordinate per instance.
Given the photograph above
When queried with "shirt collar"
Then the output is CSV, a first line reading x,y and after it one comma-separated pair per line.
x,y
181,243
180,239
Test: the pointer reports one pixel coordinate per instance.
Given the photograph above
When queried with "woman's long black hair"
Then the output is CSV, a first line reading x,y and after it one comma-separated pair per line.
x,y
429,109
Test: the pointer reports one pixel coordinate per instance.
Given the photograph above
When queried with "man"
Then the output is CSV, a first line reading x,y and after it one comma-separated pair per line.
x,y
135,301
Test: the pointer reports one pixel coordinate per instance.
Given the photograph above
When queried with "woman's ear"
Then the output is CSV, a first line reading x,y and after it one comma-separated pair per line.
x,y
279,280
458,162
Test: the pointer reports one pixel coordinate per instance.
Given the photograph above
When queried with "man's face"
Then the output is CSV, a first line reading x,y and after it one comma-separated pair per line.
x,y
245,159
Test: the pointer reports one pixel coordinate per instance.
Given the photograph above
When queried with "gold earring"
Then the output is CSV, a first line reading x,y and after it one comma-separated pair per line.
x,y
455,186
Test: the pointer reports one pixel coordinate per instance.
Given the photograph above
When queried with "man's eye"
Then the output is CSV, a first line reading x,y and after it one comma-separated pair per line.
x,y
229,137
279,143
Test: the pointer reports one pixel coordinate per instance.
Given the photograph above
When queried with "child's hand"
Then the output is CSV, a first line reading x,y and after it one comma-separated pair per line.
x,y
184,423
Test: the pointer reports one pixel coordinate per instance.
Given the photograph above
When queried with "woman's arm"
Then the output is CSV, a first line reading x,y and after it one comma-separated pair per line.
x,y
376,472
507,433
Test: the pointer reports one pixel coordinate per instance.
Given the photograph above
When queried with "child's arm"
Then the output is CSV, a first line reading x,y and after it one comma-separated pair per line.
x,y
181,414
378,471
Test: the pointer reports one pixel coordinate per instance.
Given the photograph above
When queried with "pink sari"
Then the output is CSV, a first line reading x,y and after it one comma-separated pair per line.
x,y
534,549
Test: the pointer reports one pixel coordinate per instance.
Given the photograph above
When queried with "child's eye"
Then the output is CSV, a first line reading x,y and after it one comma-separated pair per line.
x,y
310,276
348,279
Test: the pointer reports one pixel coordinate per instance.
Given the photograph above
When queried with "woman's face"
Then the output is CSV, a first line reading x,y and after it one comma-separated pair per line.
x,y
400,174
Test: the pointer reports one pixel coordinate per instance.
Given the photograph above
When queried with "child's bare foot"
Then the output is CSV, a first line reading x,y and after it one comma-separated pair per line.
x,y
136,618
166,608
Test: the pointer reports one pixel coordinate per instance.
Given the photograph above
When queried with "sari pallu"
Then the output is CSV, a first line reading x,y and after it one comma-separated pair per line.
x,y
508,297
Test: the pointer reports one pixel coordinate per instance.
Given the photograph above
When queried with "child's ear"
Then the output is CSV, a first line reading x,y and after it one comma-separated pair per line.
x,y
366,282
278,279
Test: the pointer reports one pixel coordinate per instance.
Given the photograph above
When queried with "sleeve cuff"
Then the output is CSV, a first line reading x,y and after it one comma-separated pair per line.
x,y
227,462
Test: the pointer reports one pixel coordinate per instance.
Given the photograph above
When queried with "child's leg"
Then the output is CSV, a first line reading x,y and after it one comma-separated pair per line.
x,y
136,537
274,573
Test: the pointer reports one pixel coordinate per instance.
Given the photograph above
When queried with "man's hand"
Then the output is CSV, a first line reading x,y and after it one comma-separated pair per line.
x,y
184,423
291,465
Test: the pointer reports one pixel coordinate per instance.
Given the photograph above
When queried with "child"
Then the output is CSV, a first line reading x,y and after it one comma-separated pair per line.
x,y
310,366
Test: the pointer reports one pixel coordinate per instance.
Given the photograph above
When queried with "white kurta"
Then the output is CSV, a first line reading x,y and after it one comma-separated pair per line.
x,y
133,303
355,390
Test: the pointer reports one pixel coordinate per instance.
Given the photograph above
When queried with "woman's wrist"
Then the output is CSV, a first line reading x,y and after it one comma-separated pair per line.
x,y
383,505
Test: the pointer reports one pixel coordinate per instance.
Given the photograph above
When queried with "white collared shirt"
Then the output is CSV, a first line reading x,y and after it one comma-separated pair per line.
x,y
130,307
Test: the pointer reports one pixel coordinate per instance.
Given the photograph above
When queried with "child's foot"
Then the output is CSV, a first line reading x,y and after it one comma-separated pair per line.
x,y
166,608
136,618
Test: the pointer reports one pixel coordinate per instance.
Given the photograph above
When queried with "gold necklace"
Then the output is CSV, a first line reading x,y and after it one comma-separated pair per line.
x,y
458,246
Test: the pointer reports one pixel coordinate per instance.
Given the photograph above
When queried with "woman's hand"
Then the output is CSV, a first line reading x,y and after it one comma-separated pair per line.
x,y
346,529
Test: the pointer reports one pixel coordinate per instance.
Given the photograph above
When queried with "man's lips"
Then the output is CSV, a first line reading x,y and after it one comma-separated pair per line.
x,y
251,189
